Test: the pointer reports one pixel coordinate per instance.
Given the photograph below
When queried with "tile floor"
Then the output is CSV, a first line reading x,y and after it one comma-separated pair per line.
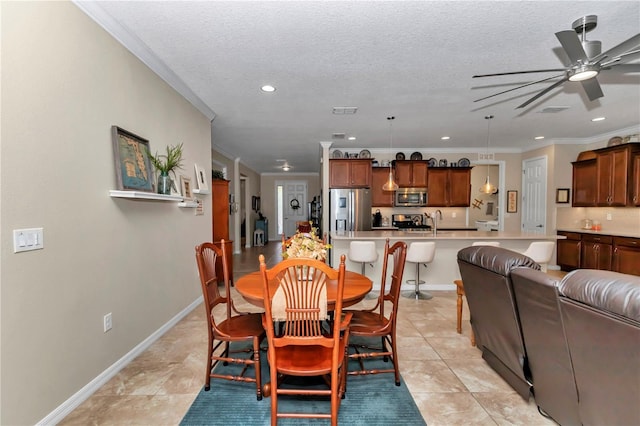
x,y
449,380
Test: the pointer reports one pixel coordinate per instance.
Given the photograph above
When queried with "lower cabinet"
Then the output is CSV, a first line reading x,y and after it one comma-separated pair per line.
x,y
626,255
595,251
568,251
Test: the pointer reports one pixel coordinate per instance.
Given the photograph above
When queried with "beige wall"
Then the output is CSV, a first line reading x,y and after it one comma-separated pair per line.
x,y
65,82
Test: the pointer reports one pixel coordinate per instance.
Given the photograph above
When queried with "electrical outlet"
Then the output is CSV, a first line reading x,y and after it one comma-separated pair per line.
x,y
454,215
609,216
108,322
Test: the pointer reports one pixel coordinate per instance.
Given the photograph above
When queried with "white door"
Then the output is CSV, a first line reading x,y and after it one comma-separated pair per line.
x,y
295,195
534,195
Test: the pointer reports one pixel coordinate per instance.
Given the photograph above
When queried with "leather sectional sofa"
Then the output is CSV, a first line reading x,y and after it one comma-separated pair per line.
x,y
573,344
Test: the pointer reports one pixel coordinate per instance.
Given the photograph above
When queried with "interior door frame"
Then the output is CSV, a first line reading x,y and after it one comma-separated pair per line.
x,y
526,196
501,191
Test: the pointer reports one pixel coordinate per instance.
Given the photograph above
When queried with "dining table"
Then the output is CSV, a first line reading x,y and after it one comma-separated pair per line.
x,y
356,287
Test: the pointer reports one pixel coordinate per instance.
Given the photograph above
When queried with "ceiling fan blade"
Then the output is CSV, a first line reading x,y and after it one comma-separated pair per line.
x,y
519,72
625,68
571,44
622,59
620,49
592,88
545,91
519,87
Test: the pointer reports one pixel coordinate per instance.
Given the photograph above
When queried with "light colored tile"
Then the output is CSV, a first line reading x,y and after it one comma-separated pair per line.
x,y
478,376
430,376
511,409
450,409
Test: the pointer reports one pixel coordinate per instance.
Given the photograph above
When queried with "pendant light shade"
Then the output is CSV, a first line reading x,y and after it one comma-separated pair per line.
x,y
488,187
390,184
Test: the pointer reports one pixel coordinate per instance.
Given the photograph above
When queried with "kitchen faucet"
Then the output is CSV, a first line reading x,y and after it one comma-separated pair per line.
x,y
434,219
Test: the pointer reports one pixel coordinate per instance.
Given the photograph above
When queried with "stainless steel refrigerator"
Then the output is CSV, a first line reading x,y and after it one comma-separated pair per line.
x,y
350,210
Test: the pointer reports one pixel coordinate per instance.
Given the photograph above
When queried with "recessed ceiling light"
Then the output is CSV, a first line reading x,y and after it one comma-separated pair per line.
x,y
445,138
268,88
539,137
286,168
598,119
352,138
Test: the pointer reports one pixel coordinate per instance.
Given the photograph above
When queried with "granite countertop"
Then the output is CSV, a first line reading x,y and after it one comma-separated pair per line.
x,y
442,235
628,233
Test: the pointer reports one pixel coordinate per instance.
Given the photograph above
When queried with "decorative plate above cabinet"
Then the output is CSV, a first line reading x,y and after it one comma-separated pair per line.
x,y
336,154
400,156
416,156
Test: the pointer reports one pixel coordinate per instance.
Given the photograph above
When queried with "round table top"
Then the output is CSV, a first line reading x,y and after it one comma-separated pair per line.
x,y
356,286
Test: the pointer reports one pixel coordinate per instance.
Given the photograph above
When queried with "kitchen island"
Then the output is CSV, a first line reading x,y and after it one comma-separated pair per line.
x,y
441,273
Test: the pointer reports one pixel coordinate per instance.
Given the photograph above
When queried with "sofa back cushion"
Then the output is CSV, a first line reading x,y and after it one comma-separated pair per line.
x,y
485,272
548,357
602,327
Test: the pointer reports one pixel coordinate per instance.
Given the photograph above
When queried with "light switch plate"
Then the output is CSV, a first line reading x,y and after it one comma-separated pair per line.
x,y
28,239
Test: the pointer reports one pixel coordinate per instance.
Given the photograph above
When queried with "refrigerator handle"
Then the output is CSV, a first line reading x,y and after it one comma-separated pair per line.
x,y
352,201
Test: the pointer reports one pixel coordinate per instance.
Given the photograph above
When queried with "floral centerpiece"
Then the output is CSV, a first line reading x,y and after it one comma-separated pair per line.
x,y
306,244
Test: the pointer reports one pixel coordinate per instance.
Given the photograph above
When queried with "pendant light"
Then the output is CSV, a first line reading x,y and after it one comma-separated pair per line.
x,y
390,184
488,188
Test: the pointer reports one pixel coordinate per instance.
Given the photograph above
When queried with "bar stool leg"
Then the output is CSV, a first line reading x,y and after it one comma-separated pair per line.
x,y
416,293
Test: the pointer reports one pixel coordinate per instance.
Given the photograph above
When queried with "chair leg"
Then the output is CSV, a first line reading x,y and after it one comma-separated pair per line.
x,y
416,293
256,366
207,380
460,293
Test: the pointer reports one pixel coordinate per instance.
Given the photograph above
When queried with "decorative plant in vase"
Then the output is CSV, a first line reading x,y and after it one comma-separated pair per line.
x,y
166,164
306,244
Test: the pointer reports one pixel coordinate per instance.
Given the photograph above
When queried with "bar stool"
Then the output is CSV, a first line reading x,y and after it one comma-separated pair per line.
x,y
460,291
363,252
258,237
420,253
540,252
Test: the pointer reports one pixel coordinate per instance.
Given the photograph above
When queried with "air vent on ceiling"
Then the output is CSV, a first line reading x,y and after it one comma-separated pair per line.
x,y
338,136
344,110
482,156
553,109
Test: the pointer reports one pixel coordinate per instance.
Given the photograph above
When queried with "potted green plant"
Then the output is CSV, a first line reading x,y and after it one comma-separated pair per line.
x,y
166,164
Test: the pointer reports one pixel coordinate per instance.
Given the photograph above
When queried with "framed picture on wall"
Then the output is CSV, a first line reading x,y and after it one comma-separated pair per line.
x,y
512,201
562,195
201,178
185,185
131,159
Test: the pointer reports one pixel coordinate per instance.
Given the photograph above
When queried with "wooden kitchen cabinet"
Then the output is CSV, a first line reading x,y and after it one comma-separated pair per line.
x,y
584,183
612,174
568,251
626,255
449,187
597,251
220,217
411,173
635,184
611,179
379,197
350,173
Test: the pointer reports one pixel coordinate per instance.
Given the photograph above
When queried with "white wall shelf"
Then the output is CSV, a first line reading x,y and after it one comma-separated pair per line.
x,y
188,204
139,195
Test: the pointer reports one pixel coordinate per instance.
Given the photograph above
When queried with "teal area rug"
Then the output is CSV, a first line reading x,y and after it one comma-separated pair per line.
x,y
370,400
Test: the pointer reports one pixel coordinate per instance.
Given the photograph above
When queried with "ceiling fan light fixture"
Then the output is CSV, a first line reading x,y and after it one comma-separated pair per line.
x,y
583,72
286,168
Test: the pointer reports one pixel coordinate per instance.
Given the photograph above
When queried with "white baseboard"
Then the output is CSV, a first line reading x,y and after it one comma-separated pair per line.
x,y
57,415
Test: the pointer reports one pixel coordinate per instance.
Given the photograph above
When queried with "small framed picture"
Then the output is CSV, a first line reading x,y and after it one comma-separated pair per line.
x,y
512,201
201,178
562,195
185,185
132,164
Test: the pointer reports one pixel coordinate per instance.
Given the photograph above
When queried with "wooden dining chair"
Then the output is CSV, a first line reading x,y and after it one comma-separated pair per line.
x,y
299,345
380,321
234,326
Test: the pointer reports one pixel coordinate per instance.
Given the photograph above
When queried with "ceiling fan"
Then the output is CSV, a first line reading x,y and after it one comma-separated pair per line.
x,y
586,61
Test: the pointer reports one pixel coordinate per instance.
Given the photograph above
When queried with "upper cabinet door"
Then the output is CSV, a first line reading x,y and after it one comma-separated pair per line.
x,y
612,169
380,197
449,187
411,173
350,173
635,186
584,183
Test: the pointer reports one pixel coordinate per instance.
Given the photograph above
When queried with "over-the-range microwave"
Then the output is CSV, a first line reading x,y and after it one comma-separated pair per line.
x,y
411,197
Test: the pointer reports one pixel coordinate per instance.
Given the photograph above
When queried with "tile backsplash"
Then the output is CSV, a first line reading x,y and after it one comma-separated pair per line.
x,y
620,220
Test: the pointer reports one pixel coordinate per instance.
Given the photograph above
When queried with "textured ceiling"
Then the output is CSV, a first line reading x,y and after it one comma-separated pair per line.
x,y
413,60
